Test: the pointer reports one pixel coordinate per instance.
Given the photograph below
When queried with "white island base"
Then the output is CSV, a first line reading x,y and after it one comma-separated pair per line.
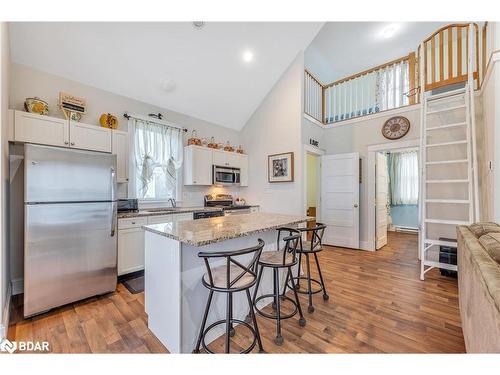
x,y
175,298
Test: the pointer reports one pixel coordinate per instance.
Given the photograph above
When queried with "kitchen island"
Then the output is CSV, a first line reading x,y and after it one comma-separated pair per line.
x,y
174,295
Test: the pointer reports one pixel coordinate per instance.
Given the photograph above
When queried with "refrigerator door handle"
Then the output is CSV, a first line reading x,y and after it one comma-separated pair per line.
x,y
113,184
113,218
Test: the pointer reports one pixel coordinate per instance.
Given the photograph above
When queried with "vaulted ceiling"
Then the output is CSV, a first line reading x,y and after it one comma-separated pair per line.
x,y
344,48
199,72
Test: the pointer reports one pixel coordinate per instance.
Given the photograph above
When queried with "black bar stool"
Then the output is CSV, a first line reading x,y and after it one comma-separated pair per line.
x,y
232,277
312,247
282,258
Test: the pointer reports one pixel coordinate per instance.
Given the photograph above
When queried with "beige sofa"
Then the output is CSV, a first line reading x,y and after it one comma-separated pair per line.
x,y
479,286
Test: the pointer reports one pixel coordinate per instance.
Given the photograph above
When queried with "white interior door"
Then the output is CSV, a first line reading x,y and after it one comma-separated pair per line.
x,y
340,199
381,191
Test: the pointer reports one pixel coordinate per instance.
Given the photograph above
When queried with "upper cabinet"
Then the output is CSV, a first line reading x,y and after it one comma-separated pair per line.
x,y
197,165
30,127
89,137
120,149
53,131
226,159
198,162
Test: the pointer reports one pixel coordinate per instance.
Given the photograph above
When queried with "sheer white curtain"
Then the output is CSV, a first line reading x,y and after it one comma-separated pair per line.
x,y
392,85
403,175
158,154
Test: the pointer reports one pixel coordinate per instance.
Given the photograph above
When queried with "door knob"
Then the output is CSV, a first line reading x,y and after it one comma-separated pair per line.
x,y
355,205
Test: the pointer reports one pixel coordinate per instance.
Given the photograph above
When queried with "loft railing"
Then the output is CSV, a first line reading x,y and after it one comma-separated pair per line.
x,y
396,83
445,56
313,98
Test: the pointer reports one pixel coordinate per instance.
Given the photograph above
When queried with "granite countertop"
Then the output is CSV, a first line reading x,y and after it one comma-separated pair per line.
x,y
169,211
166,211
207,231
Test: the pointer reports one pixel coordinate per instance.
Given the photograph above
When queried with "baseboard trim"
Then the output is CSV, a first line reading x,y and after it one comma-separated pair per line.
x,y
4,325
17,286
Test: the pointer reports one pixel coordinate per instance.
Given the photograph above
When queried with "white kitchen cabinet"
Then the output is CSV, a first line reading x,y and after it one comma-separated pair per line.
x,y
120,148
243,170
226,159
182,216
130,250
33,128
254,209
89,137
197,165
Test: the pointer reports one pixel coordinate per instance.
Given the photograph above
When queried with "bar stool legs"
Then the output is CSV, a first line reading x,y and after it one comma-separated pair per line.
x,y
326,297
278,297
204,322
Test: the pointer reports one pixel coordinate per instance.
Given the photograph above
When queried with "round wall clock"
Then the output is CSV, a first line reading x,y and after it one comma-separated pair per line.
x,y
396,127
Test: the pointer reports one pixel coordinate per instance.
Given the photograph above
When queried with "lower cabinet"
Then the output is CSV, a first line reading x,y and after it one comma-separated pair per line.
x,y
131,239
130,250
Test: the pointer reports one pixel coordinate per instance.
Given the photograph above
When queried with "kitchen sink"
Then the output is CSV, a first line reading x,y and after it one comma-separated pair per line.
x,y
166,209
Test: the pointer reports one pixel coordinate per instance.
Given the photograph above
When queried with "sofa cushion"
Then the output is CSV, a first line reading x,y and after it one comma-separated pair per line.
x,y
480,229
491,243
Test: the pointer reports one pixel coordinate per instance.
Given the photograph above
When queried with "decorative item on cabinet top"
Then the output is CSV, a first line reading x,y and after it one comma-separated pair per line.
x,y
72,106
228,147
36,105
194,140
107,120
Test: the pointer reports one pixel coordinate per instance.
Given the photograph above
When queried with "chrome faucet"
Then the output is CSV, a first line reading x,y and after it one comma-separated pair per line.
x,y
172,202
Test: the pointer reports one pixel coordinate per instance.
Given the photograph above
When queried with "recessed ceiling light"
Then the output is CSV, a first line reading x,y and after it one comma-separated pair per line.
x,y
247,56
198,24
389,31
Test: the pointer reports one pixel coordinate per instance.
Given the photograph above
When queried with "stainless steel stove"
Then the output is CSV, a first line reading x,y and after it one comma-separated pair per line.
x,y
226,203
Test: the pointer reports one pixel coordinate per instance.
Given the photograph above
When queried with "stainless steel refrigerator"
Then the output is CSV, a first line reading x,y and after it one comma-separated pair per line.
x,y
70,245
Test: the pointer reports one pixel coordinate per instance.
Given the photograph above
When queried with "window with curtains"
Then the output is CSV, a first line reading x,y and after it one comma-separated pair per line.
x,y
157,158
376,91
403,177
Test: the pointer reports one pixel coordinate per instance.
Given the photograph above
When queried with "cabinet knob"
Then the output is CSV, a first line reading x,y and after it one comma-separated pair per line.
x,y
72,143
194,182
66,142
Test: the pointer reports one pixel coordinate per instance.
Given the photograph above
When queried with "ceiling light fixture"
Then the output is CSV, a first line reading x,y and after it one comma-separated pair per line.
x,y
198,24
247,56
389,31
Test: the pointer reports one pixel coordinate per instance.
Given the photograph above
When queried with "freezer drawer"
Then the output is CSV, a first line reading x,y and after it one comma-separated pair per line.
x,y
70,253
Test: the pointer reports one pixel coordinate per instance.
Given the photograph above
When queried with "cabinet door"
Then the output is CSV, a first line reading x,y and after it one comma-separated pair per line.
x,y
219,158
197,166
89,137
120,149
33,128
243,170
130,250
233,159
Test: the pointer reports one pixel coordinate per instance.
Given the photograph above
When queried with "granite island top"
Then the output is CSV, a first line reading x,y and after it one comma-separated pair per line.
x,y
216,229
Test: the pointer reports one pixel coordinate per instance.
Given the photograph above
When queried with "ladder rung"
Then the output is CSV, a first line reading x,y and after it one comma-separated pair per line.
x,y
449,222
446,109
441,243
457,161
447,94
446,181
446,266
458,201
447,126
446,143
432,101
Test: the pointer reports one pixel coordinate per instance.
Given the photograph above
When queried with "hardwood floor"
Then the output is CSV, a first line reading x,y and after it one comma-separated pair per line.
x,y
377,305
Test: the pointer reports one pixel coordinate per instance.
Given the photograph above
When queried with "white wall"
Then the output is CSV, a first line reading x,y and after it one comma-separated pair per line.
x,y
356,136
275,127
4,177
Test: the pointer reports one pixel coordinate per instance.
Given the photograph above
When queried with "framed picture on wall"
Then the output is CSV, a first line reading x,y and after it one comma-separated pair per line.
x,y
280,167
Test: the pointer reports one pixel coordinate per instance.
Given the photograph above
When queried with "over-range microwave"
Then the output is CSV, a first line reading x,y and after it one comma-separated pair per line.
x,y
225,176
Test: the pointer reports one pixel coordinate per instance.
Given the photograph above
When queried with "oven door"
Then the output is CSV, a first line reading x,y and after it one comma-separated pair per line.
x,y
226,176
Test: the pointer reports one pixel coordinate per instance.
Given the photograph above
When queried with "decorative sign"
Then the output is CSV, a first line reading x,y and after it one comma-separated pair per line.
x,y
313,142
71,103
280,167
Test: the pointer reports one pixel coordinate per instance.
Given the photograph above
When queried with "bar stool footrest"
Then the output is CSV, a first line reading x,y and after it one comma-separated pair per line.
x,y
305,279
233,321
274,316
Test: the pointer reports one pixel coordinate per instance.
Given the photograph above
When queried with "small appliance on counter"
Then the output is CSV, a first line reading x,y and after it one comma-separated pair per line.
x,y
226,202
206,214
128,205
